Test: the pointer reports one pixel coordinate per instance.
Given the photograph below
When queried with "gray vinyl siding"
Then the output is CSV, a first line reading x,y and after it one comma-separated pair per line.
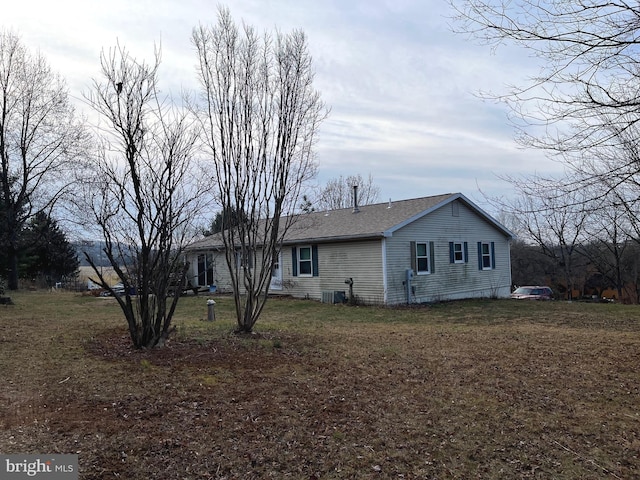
x,y
449,280
337,262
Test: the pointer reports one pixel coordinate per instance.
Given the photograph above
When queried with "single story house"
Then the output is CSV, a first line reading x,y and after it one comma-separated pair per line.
x,y
420,250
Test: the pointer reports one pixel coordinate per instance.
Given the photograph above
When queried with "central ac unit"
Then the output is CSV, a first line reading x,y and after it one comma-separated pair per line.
x,y
334,296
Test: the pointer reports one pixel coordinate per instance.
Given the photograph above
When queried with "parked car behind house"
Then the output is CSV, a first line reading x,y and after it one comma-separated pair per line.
x,y
533,293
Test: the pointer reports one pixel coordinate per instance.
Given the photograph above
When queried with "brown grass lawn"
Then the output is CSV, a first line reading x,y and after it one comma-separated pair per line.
x,y
479,389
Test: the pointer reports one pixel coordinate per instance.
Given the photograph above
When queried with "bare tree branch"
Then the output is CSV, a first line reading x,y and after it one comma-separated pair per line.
x,y
141,192
260,115
40,141
589,69
338,192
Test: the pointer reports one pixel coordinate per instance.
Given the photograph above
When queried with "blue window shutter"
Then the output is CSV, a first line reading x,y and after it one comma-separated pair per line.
x,y
479,255
414,260
466,252
314,260
493,255
432,267
294,262
452,258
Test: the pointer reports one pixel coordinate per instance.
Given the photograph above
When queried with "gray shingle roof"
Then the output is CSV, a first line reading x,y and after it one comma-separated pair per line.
x,y
372,221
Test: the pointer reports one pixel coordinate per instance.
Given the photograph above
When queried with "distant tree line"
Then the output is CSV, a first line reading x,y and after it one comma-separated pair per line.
x,y
595,271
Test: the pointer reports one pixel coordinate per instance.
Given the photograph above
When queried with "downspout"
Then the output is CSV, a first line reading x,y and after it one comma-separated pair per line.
x,y
408,281
385,293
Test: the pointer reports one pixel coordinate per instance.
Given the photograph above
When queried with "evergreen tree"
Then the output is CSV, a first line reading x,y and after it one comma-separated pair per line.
x,y
46,252
228,218
306,206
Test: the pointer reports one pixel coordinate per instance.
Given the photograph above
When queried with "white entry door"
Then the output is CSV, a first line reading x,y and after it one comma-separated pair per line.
x,y
276,276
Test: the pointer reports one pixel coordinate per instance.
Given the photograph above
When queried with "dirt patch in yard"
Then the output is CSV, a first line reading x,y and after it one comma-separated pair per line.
x,y
422,396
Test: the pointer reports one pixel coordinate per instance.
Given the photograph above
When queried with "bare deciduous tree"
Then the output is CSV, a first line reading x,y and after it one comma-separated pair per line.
x,y
584,98
140,192
589,65
553,219
261,115
40,141
338,192
606,245
600,191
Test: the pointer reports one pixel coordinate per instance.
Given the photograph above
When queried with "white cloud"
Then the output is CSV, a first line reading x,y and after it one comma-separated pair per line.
x,y
400,84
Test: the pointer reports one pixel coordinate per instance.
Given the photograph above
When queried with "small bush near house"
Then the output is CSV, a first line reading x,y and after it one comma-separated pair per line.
x,y
487,389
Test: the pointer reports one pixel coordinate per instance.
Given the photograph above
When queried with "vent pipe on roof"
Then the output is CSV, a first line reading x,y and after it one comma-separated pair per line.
x,y
355,199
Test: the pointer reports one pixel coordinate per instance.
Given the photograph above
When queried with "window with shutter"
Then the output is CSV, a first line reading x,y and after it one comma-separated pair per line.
x,y
486,256
305,261
422,257
458,252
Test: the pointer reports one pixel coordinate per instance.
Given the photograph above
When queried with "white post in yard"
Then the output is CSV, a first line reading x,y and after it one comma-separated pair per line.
x,y
211,310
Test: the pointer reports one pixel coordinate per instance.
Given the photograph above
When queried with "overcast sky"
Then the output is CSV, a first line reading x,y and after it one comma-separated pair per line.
x,y
400,84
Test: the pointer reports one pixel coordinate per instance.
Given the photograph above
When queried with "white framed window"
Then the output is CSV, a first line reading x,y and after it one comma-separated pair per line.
x,y
305,261
458,252
486,256
422,258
